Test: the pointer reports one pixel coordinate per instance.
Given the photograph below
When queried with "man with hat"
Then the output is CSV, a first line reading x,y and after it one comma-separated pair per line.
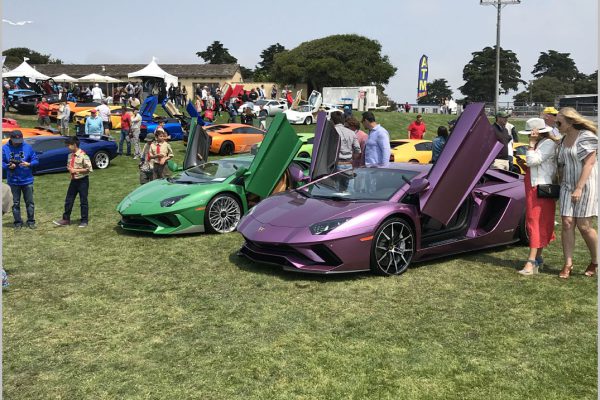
x,y
146,171
19,159
94,127
549,115
502,160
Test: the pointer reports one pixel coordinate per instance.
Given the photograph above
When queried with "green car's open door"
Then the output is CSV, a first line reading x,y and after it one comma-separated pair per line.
x,y
275,154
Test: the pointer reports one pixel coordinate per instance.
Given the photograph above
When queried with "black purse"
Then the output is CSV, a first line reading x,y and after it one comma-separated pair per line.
x,y
548,191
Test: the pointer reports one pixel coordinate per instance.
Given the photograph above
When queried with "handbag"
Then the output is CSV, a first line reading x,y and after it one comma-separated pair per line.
x,y
548,191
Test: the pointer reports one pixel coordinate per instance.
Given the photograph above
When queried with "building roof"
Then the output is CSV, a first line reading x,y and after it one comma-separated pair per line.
x,y
121,70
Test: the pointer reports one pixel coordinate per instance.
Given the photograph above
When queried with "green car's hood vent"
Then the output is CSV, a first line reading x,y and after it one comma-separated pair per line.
x,y
156,191
276,151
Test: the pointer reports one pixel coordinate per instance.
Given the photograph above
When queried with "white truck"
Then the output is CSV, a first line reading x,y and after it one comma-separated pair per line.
x,y
362,98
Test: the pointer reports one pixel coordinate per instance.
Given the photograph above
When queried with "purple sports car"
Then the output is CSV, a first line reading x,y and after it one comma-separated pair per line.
x,y
382,219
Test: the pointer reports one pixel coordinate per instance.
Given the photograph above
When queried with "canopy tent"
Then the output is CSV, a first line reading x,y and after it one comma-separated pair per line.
x,y
27,71
98,78
152,70
64,78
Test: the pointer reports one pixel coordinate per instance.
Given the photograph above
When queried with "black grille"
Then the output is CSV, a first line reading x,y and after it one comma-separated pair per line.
x,y
137,222
326,254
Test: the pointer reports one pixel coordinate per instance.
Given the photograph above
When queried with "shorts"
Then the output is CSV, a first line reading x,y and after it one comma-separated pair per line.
x,y
106,124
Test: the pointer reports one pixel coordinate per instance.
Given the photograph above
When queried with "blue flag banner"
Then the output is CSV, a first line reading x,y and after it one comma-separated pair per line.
x,y
423,73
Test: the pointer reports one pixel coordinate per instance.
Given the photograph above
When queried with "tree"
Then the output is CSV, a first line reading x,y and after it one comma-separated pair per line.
x,y
436,91
266,65
217,54
586,83
247,73
480,74
16,55
338,60
544,90
558,65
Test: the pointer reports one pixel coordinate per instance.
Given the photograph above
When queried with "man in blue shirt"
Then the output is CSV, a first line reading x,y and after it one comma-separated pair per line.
x,y
18,160
377,149
94,126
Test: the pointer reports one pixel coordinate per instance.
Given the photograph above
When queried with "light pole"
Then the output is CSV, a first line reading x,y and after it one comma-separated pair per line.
x,y
498,4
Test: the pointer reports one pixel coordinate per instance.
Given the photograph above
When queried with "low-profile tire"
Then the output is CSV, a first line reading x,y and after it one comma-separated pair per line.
x,y
226,149
101,160
304,155
413,161
308,121
393,247
222,214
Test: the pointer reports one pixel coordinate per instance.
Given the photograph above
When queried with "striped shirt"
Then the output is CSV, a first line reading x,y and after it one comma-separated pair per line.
x,y
570,159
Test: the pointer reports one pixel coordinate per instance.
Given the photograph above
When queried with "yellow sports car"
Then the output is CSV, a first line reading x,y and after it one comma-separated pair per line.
x,y
115,117
519,151
411,150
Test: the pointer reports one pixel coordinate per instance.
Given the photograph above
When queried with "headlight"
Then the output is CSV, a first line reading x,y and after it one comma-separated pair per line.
x,y
322,228
172,200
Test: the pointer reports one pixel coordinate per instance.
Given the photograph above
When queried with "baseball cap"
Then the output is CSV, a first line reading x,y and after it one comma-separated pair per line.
x,y
149,137
502,114
16,137
550,110
93,111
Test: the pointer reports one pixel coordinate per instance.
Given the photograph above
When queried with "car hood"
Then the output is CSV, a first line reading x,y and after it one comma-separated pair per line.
x,y
293,210
160,189
296,114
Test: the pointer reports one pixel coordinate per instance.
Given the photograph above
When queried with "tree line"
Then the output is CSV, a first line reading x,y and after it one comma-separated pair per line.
x,y
354,60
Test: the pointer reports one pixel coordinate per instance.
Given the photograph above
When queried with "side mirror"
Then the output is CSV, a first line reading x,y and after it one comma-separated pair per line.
x,y
296,173
240,172
418,185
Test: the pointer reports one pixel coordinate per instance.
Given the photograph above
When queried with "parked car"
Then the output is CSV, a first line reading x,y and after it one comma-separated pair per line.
x,y
28,132
175,124
74,107
273,107
213,195
519,151
9,123
227,139
384,219
411,150
52,152
305,114
115,118
23,100
305,150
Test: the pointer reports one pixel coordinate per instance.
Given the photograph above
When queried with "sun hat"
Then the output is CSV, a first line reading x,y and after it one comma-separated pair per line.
x,y
535,123
550,110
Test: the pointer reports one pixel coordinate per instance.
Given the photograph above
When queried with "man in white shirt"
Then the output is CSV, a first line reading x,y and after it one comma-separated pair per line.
x,y
97,94
104,114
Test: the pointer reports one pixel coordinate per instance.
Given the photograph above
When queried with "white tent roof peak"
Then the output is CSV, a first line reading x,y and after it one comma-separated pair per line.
x,y
154,71
27,71
98,78
64,78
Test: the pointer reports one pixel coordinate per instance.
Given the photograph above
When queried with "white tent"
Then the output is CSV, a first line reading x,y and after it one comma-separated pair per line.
x,y
64,78
154,71
27,71
98,78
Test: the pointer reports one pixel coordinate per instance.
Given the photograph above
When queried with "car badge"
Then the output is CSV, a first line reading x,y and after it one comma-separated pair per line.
x,y
262,228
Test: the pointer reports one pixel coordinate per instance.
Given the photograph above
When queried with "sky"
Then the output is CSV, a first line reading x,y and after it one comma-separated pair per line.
x,y
447,31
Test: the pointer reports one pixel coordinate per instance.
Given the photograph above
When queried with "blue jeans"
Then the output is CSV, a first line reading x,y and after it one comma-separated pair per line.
x,y
124,138
27,191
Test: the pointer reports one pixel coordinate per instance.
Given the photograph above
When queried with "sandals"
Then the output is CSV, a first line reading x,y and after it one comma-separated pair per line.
x,y
566,272
591,270
533,271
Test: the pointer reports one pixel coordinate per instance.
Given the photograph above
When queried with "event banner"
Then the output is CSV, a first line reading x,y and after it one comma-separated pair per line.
x,y
423,73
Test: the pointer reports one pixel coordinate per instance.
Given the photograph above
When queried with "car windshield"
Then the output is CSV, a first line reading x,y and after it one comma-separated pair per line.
x,y
305,108
260,102
371,184
214,171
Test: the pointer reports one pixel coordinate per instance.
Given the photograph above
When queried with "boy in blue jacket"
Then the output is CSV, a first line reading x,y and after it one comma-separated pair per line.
x,y
18,160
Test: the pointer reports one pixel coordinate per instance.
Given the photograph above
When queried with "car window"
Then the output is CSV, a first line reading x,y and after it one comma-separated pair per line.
x,y
247,129
47,145
425,146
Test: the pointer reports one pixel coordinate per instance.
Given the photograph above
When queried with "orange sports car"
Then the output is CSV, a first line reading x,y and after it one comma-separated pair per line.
x,y
28,132
74,107
233,138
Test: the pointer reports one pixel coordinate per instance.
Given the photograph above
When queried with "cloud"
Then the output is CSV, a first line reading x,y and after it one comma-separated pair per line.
x,y
20,23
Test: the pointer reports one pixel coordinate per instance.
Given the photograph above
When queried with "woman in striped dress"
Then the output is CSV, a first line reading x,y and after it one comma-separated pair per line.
x,y
579,187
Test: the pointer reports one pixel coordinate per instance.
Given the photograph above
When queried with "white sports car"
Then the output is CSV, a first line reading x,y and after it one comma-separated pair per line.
x,y
274,107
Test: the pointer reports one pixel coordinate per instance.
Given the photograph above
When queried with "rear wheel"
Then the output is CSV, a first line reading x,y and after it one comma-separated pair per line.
x,y
413,161
393,247
101,160
226,149
308,121
223,213
523,234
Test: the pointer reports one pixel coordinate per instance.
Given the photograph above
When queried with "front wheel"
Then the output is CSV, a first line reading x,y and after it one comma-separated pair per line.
x,y
101,160
222,214
308,121
393,247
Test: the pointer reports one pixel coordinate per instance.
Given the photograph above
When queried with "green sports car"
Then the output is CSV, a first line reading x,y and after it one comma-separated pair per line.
x,y
212,196
305,150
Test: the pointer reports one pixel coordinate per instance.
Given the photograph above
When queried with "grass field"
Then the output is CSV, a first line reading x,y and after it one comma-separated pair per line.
x,y
98,313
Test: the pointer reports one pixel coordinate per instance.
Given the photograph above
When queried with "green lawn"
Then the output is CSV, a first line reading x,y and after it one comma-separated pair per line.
x,y
97,313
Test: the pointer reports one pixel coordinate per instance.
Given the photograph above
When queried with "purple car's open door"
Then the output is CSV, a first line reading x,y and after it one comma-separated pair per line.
x,y
468,153
148,107
326,147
